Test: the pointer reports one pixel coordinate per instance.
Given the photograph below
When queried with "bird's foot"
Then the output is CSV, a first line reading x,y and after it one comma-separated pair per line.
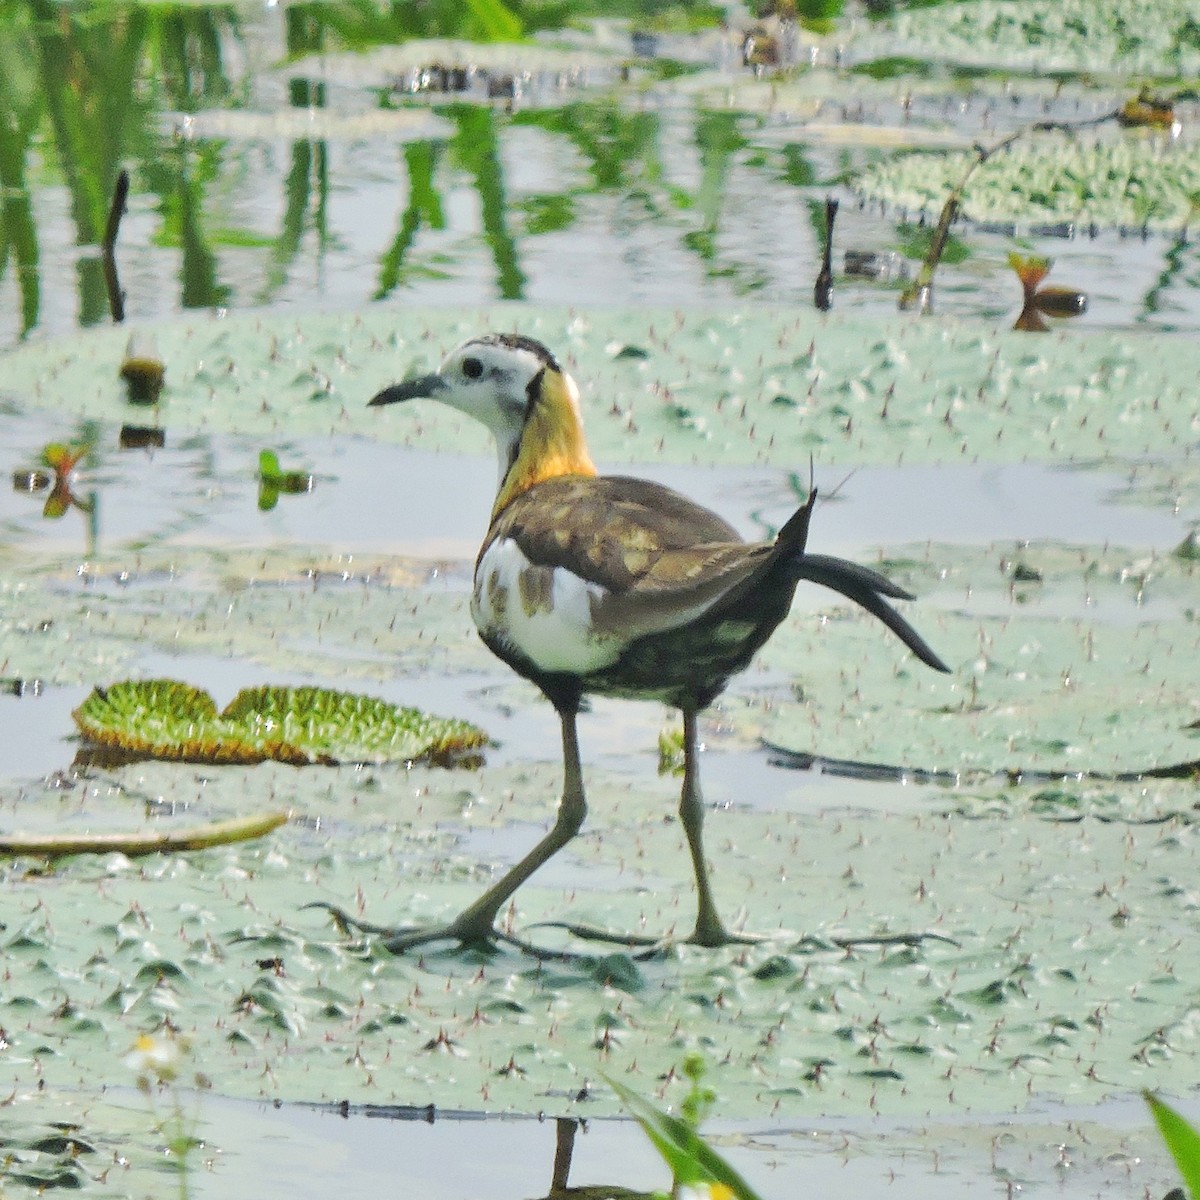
x,y
591,933
709,935
399,938
877,939
468,933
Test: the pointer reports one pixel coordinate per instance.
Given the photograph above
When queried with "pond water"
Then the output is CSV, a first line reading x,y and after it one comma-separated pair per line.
x,y
290,161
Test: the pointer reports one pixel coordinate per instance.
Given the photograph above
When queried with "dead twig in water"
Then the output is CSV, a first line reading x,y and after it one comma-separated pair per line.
x,y
919,293
198,837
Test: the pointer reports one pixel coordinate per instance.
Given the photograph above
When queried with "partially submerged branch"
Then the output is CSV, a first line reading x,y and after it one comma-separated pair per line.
x,y
134,845
919,293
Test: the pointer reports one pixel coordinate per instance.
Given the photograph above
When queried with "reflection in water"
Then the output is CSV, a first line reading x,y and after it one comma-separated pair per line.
x,y
62,458
1038,300
274,481
477,148
565,1129
423,210
823,288
625,188
142,370
116,297
141,437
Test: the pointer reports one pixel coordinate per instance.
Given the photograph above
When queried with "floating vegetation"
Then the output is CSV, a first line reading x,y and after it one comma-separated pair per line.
x,y
867,390
274,481
46,1156
1100,36
1041,695
1066,903
1128,182
62,459
470,71
143,371
1146,110
1038,301
162,718
1055,920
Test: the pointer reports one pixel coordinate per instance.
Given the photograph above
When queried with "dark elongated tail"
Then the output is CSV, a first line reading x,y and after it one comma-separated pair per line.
x,y
865,587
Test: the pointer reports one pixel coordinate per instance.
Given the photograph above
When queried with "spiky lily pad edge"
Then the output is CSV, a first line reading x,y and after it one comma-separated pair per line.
x,y
168,719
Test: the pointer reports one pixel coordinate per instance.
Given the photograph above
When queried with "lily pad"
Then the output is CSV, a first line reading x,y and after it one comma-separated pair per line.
x,y
1069,660
1049,977
312,612
867,391
166,719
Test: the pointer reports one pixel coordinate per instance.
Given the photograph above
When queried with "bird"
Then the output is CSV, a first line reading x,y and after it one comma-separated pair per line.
x,y
611,585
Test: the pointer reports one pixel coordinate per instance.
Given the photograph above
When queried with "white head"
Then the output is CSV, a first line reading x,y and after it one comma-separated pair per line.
x,y
500,379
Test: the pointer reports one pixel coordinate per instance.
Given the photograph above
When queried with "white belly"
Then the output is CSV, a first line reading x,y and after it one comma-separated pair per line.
x,y
543,612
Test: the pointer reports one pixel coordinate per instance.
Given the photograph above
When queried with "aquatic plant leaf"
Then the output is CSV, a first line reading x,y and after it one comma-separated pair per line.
x,y
197,837
1094,877
1182,1140
61,457
1106,691
166,719
691,1159
1091,883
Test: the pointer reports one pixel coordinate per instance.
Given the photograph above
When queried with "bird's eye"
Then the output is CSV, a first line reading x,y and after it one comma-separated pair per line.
x,y
472,368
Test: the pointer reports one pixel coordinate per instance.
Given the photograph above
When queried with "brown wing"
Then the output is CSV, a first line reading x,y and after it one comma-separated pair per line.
x,y
610,530
661,559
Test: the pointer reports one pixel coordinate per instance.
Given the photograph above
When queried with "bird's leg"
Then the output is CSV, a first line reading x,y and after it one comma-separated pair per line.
x,y
476,924
710,930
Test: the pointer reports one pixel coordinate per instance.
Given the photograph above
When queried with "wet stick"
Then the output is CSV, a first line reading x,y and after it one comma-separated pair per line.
x,y
920,292
198,837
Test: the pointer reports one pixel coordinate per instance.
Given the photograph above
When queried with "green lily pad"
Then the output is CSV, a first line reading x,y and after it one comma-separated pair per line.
x,y
162,718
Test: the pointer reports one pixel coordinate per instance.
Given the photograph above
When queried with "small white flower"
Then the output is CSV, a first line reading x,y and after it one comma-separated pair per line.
x,y
703,1191
156,1055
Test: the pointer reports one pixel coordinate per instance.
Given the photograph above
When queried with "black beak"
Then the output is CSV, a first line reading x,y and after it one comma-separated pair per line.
x,y
424,387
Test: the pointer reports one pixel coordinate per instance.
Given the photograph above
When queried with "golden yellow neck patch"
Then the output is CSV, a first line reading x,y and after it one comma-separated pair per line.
x,y
552,441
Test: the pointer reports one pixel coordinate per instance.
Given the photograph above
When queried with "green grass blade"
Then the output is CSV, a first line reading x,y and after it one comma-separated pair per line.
x,y
690,1157
1182,1140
